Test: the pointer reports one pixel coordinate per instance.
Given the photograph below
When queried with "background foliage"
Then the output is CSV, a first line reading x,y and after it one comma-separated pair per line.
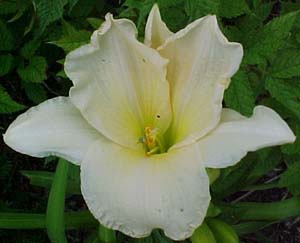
x,y
35,36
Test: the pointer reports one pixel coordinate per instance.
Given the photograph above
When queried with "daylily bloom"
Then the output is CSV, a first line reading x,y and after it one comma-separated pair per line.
x,y
144,121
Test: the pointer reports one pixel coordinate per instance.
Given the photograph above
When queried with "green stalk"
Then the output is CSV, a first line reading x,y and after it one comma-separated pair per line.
x,y
73,220
56,204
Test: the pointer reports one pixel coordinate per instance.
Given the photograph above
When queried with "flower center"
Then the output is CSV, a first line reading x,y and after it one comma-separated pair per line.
x,y
152,141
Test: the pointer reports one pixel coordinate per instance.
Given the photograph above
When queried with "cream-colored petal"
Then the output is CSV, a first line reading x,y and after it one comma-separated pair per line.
x,y
201,64
55,127
133,193
119,84
156,31
236,135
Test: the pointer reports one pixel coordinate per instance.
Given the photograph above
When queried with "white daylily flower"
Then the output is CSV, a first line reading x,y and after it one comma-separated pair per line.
x,y
166,94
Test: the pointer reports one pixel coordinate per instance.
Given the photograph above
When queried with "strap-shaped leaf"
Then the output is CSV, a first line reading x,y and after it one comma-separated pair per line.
x,y
56,204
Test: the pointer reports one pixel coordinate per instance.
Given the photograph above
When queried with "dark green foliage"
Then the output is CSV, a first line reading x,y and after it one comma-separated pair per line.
x,y
7,105
239,95
291,179
35,37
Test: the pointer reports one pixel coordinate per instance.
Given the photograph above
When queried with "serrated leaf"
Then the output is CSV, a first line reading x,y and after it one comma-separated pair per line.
x,y
294,148
29,48
239,96
6,63
94,22
286,64
7,105
269,39
291,179
35,92
49,11
72,38
287,7
35,71
6,38
196,9
232,8
263,10
286,92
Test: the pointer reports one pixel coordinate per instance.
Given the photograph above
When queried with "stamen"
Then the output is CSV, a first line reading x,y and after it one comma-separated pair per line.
x,y
152,141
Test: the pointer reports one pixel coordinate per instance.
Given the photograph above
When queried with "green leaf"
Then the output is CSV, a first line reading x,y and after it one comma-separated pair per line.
x,y
250,227
175,16
6,63
94,22
8,7
35,71
72,38
286,64
83,7
160,237
35,92
232,8
6,38
291,179
7,105
268,158
49,11
245,211
196,9
262,11
286,92
287,7
29,49
142,7
76,220
22,7
44,179
239,96
56,204
269,39
233,178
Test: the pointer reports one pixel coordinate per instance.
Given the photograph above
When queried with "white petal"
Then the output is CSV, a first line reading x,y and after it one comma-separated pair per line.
x,y
201,64
119,84
156,31
55,127
236,135
134,193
